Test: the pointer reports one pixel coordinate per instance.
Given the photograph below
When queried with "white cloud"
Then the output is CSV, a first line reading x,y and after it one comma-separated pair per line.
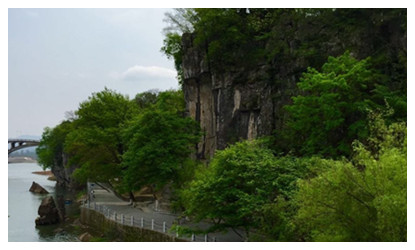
x,y
138,72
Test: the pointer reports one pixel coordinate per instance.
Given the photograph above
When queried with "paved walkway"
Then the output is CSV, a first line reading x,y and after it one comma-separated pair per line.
x,y
109,204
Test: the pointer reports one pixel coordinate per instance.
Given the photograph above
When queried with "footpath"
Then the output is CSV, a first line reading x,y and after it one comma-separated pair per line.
x,y
106,202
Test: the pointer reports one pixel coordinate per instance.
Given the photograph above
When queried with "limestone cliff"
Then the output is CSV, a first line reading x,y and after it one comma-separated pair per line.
x,y
229,105
236,99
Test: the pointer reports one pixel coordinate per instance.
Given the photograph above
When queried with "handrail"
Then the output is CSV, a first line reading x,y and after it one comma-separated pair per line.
x,y
141,222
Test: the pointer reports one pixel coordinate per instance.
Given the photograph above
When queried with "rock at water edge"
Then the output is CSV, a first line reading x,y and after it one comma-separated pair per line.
x,y
36,188
48,212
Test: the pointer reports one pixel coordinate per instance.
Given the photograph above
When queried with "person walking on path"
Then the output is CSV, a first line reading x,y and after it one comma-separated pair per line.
x,y
91,195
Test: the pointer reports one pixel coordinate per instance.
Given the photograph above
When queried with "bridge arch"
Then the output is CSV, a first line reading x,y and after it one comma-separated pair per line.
x,y
16,144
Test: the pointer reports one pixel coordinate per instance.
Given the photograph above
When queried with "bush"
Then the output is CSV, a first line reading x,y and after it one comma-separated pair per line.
x,y
364,199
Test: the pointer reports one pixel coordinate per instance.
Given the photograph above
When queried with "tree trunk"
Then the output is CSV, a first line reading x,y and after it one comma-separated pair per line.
x,y
132,198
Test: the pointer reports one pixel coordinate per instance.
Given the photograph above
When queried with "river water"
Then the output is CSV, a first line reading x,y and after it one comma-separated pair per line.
x,y
23,206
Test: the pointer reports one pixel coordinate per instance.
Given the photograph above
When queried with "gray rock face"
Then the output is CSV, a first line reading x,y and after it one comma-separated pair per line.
x,y
246,100
230,105
64,174
48,212
36,188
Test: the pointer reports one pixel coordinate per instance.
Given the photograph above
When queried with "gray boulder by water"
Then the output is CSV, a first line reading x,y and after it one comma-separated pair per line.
x,y
36,188
48,212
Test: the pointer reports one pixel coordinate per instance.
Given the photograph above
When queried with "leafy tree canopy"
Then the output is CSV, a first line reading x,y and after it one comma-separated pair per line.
x,y
96,144
360,200
159,142
241,186
331,110
51,147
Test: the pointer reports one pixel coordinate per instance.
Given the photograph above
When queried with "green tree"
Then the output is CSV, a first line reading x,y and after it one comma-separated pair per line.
x,y
360,200
159,142
234,189
247,188
331,110
51,147
146,99
171,101
275,219
95,144
172,48
180,21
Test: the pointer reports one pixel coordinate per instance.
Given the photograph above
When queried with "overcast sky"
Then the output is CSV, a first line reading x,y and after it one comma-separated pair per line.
x,y
58,57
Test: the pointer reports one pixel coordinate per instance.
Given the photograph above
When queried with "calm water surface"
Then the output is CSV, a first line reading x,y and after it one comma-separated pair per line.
x,y
23,206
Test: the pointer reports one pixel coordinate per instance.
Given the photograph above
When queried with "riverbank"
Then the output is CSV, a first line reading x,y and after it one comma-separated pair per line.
x,y
46,172
21,159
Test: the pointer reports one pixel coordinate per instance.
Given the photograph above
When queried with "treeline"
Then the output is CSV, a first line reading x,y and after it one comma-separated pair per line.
x,y
129,144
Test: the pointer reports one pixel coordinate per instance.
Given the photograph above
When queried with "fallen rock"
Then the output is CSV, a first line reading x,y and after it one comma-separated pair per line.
x,y
36,188
85,237
48,212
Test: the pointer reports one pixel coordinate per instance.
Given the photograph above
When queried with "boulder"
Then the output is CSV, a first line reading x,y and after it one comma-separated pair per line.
x,y
36,188
85,237
48,212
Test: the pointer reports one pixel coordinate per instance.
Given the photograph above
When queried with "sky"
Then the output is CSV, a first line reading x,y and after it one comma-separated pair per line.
x,y
59,57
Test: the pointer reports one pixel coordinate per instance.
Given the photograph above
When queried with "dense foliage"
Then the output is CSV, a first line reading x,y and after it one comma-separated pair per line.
x,y
95,143
160,141
51,147
335,101
240,187
110,131
237,183
364,199
248,189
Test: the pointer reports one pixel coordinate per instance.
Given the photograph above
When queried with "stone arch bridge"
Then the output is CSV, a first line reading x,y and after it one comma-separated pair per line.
x,y
16,144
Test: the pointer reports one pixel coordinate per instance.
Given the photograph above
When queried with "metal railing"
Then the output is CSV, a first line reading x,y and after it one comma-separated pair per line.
x,y
141,222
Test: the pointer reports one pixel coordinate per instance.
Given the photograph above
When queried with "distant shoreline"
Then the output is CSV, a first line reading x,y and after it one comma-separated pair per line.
x,y
21,159
46,172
